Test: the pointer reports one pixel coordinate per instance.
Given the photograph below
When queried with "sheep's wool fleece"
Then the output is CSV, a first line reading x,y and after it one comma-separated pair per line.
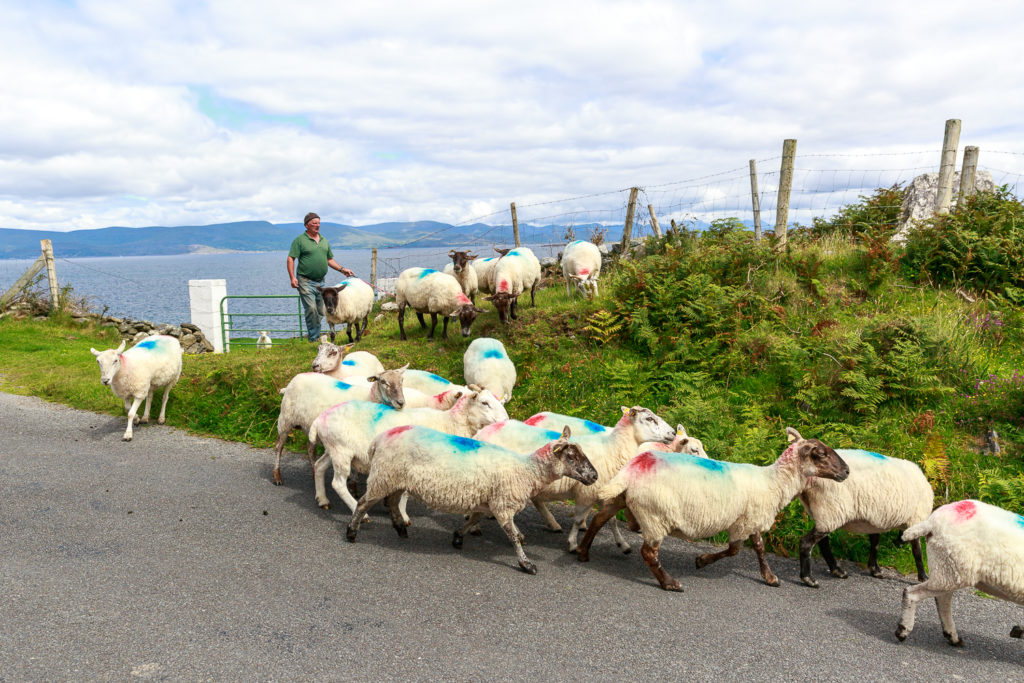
x,y
881,493
152,363
429,291
487,364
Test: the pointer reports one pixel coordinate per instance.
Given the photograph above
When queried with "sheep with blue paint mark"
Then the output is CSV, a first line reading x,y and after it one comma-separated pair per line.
x,y
517,271
581,266
556,421
461,268
608,452
153,363
337,362
460,475
429,383
693,498
486,364
970,544
483,268
436,293
348,303
881,494
347,429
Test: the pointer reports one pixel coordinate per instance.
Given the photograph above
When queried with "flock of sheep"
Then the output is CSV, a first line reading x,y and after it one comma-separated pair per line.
x,y
453,447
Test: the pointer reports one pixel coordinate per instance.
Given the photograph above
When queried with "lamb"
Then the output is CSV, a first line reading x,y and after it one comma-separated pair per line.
x,y
682,443
549,420
264,342
483,267
691,498
516,271
464,272
350,302
346,431
486,363
133,374
429,291
881,494
608,452
310,393
581,266
456,474
970,543
337,362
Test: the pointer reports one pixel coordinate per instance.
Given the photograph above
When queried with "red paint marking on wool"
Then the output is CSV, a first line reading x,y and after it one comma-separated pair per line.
x,y
534,421
462,298
584,271
643,463
544,452
788,454
503,286
624,420
395,431
964,510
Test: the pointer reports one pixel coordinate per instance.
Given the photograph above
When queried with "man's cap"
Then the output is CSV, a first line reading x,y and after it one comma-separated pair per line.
x,y
309,216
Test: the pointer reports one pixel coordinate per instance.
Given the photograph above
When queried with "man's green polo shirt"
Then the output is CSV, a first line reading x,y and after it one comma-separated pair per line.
x,y
312,256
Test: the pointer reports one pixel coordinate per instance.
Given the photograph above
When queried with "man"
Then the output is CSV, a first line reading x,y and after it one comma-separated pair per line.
x,y
314,255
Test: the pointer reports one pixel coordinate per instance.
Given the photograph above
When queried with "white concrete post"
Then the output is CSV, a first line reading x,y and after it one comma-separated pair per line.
x,y
204,298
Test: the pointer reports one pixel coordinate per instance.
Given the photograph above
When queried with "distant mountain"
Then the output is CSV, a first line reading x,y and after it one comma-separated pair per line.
x,y
264,236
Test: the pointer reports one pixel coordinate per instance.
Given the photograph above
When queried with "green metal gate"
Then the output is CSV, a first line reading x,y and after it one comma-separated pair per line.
x,y
230,322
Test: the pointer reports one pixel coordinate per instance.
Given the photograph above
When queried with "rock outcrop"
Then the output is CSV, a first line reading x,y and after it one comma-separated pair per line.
x,y
919,199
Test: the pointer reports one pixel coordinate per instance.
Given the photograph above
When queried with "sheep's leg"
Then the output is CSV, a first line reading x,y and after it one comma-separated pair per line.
x,y
282,436
163,405
361,329
533,294
149,402
340,482
396,513
505,519
619,540
833,565
319,474
915,547
944,603
911,596
807,543
423,323
401,322
444,328
766,571
1017,631
568,289
708,558
472,522
359,515
550,523
607,511
649,551
136,402
433,324
514,309
348,331
127,403
593,289
873,567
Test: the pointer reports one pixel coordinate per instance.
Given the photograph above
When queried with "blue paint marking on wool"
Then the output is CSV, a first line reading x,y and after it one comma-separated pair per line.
x,y
873,454
342,385
552,434
377,410
716,466
348,362
594,427
464,444
437,378
1020,520
493,353
147,344
425,272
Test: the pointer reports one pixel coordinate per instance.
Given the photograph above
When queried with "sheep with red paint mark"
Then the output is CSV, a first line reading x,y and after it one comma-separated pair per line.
x,y
468,476
153,363
517,271
693,498
336,361
436,293
881,493
430,383
556,421
970,544
483,268
581,267
350,302
461,268
486,364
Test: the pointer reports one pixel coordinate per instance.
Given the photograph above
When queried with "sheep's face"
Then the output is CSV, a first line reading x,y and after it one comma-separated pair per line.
x,y
648,426
328,356
460,259
502,303
816,459
484,409
389,387
330,295
466,314
109,362
574,461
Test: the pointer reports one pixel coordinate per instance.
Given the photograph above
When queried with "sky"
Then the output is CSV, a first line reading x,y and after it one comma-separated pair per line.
x,y
191,113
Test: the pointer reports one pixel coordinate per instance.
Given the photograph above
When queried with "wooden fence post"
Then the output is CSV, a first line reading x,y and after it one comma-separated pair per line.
x,y
23,281
654,221
785,186
968,174
373,270
755,199
950,141
627,229
51,272
515,225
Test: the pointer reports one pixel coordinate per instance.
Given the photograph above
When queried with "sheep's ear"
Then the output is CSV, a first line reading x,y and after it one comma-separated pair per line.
x,y
451,253
374,378
347,347
121,347
793,435
319,289
680,431
458,395
479,310
566,432
95,352
342,286
474,387
624,409
403,368
470,256
681,445
454,314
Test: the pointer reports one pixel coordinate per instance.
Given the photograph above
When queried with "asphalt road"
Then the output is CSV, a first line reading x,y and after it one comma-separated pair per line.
x,y
174,557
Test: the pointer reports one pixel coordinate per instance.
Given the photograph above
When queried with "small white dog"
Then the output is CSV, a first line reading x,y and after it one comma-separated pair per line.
x,y
264,341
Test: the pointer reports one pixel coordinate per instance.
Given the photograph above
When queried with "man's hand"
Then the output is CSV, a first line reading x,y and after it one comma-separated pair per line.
x,y
347,272
295,283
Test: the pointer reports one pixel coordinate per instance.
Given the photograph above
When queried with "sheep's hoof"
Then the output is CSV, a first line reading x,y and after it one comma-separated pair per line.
x,y
277,477
840,574
959,642
902,633
674,586
528,567
350,534
553,530
701,562
160,421
572,548
922,577
626,548
145,420
476,531
325,506
808,581
582,555
773,582
1017,632
403,531
126,437
457,540
875,572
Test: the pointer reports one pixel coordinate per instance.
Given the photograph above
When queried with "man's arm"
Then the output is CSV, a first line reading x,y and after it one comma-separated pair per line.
x,y
338,267
291,273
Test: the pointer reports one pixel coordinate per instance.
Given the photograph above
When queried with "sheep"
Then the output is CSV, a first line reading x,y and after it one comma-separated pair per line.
x,y
310,393
483,267
429,291
337,362
264,341
608,452
581,265
486,363
682,443
516,271
549,420
430,383
455,474
680,495
464,272
881,494
133,374
347,429
970,543
350,302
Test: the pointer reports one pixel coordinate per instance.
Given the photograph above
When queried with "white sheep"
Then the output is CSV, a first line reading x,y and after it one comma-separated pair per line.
x,y
483,267
133,374
581,266
430,383
517,271
337,362
347,429
556,421
880,494
264,342
692,498
460,475
682,443
350,302
486,364
429,291
970,543
310,393
461,268
608,452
